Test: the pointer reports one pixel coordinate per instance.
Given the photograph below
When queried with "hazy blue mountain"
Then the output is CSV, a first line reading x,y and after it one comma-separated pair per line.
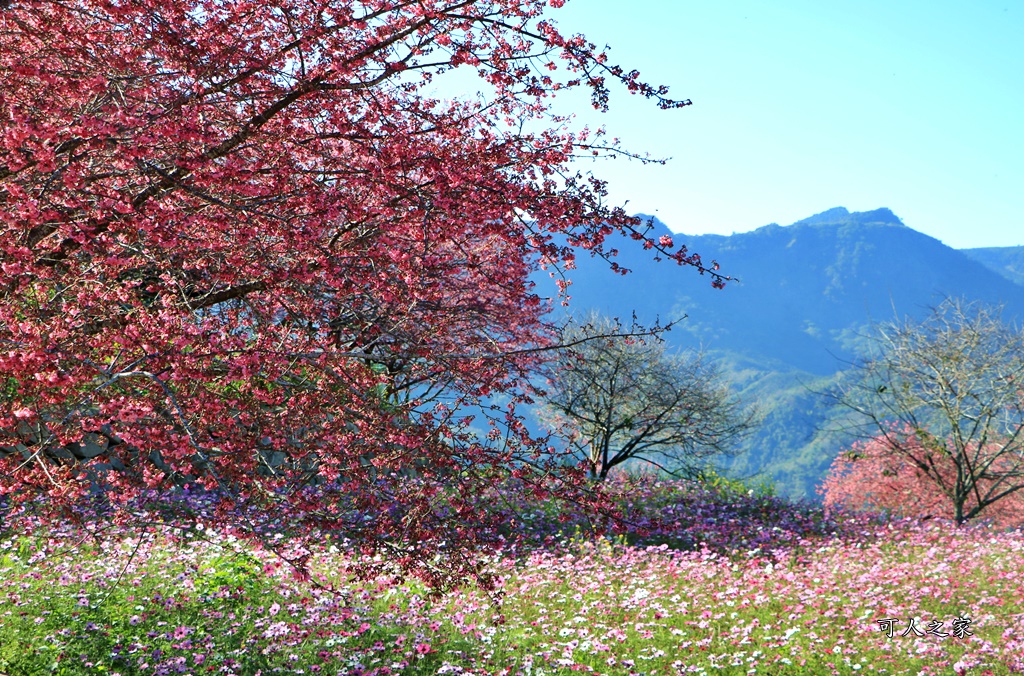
x,y
1007,261
805,296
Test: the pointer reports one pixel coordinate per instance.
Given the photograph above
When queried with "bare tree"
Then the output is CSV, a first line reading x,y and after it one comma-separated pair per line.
x,y
615,397
946,395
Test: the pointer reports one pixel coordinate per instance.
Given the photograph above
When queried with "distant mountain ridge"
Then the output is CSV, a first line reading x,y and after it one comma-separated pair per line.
x,y
805,296
800,288
1007,261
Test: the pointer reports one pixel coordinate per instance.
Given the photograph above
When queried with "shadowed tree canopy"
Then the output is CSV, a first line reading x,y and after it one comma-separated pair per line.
x,y
242,251
945,398
616,397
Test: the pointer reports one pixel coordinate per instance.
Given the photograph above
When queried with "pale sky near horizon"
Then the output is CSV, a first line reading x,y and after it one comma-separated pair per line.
x,y
803,105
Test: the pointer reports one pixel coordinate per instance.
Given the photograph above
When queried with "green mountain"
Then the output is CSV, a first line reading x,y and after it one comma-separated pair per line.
x,y
806,295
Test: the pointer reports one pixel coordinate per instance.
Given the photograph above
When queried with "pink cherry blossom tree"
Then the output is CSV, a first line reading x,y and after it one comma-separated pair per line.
x,y
944,398
876,476
243,251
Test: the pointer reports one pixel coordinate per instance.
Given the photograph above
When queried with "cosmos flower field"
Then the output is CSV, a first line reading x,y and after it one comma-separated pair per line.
x,y
710,582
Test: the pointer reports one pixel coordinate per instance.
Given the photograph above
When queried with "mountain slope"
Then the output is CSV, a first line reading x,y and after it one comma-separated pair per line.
x,y
806,296
803,290
1007,261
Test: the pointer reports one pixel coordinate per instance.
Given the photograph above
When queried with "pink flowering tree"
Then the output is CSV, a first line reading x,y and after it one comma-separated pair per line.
x,y
945,397
879,475
242,250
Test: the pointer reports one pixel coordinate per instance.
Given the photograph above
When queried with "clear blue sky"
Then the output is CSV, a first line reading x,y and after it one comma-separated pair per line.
x,y
800,106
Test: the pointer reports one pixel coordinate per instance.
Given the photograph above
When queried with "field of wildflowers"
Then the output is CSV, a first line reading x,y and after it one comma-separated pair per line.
x,y
701,581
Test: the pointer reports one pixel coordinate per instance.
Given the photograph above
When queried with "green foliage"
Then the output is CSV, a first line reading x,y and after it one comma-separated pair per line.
x,y
9,388
234,572
761,487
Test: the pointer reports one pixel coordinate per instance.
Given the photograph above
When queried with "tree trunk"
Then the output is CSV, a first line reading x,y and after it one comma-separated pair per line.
x,y
958,507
